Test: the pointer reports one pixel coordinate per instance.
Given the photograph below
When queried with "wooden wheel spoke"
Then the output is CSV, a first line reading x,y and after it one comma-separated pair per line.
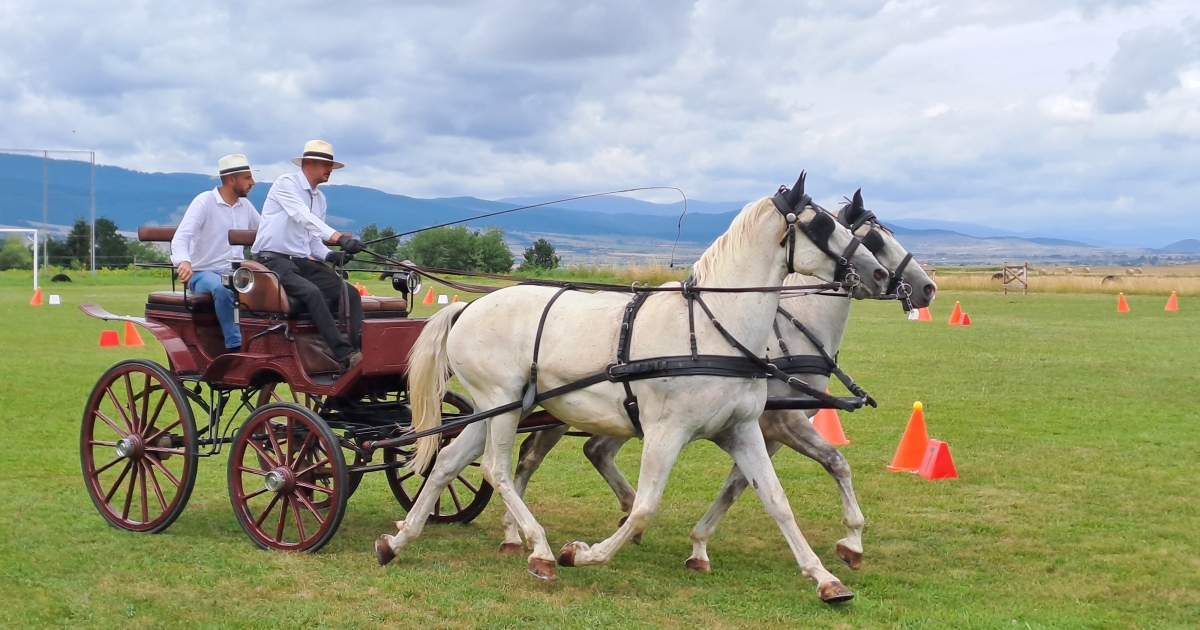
x,y
129,494
163,430
112,396
146,402
157,410
253,471
310,486
247,497
311,508
163,469
101,443
454,497
121,432
142,483
304,448
312,467
261,453
299,521
116,484
283,510
275,440
157,488
468,484
107,466
262,517
406,477
132,401
291,443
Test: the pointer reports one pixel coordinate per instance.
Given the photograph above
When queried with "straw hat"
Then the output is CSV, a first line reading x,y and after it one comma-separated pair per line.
x,y
317,150
230,164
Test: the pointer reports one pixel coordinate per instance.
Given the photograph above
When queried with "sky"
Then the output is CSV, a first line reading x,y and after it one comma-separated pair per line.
x,y
1050,117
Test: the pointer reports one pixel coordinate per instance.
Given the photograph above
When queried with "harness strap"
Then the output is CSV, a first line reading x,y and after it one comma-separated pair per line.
x,y
831,362
624,343
529,398
701,365
779,337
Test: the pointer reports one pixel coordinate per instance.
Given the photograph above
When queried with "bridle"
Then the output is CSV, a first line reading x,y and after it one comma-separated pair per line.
x,y
897,288
844,271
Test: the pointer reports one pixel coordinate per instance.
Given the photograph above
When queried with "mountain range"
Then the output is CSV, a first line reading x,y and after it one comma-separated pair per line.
x,y
610,228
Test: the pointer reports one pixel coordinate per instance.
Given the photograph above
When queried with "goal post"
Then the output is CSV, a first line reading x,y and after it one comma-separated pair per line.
x,y
34,233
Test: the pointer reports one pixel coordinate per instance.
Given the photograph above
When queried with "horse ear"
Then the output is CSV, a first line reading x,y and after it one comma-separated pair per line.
x,y
857,202
796,193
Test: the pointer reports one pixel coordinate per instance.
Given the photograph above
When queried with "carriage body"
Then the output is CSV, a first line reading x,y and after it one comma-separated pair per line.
x,y
293,421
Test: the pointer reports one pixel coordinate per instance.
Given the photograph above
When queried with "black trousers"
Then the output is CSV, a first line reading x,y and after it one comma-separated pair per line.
x,y
320,289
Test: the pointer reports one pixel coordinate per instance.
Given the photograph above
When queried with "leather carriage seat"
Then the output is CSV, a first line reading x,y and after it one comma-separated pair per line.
x,y
267,295
374,304
178,298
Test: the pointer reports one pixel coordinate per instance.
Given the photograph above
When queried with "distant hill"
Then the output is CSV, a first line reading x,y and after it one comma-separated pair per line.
x,y
615,204
1186,246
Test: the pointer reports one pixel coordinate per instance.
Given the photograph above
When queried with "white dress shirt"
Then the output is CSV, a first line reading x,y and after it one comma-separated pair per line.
x,y
293,219
202,237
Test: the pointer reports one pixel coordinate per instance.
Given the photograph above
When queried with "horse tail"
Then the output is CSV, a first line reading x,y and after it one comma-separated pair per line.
x,y
428,371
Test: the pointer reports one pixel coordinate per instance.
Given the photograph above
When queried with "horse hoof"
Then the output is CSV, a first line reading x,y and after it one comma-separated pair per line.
x,y
566,555
834,592
383,551
852,558
509,549
696,564
542,569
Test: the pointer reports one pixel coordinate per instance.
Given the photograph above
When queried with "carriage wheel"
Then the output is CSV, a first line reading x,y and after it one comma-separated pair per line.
x,y
137,447
287,478
280,392
466,496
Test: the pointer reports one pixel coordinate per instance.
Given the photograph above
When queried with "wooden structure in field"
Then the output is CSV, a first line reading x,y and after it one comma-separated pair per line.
x,y
1016,277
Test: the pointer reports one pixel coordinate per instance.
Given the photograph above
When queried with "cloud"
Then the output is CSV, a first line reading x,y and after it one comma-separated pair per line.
x,y
1029,111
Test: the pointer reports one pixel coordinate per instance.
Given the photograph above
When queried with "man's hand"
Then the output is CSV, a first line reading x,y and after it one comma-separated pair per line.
x,y
349,244
338,259
185,271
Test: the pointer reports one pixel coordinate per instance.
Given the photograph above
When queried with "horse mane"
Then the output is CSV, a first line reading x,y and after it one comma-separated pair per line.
x,y
745,224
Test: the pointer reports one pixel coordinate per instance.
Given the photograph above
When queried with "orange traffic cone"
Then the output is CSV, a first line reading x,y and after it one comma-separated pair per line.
x,y
956,315
937,463
428,297
362,290
923,315
1122,305
132,338
966,320
37,298
1172,303
109,339
912,446
455,298
826,423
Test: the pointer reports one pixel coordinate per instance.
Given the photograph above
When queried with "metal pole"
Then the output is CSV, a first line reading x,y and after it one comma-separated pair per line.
x,y
92,205
46,198
35,260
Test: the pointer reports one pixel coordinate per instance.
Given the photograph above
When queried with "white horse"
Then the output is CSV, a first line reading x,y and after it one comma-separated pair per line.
x,y
826,319
491,347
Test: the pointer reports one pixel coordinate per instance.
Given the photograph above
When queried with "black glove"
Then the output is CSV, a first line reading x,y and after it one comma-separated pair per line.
x,y
338,259
350,245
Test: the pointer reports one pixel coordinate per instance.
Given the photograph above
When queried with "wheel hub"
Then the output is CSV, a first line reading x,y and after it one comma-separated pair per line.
x,y
130,447
280,480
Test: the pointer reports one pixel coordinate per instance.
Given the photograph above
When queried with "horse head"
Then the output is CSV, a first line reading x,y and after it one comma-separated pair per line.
x,y
908,282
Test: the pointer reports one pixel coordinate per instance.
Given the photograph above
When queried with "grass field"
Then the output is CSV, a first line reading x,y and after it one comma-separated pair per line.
x,y
1073,427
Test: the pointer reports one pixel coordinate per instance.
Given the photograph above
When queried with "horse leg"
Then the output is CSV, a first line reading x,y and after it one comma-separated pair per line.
x,y
533,451
602,452
451,461
796,431
497,468
735,485
745,443
659,451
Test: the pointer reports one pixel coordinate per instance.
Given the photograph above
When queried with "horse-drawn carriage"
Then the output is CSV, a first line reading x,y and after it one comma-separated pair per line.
x,y
297,429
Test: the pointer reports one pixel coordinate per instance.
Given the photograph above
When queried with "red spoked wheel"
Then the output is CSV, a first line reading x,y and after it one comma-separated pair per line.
x,y
137,447
461,501
287,478
281,392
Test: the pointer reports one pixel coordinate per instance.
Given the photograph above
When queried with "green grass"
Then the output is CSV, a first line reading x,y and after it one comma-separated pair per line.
x,y
1076,505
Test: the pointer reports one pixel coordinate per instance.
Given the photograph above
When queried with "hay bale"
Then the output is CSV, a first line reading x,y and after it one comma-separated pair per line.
x,y
1137,271
999,275
1070,271
1087,270
1110,280
1129,272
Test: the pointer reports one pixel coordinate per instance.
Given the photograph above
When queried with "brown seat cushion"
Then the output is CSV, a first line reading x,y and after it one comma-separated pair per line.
x,y
372,303
177,298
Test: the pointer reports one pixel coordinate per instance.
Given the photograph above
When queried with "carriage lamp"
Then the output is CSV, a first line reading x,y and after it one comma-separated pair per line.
x,y
406,283
243,280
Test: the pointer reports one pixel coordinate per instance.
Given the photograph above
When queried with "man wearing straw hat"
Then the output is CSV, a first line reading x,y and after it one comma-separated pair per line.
x,y
200,247
290,244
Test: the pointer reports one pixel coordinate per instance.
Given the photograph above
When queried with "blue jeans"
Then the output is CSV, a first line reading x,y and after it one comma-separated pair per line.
x,y
210,282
